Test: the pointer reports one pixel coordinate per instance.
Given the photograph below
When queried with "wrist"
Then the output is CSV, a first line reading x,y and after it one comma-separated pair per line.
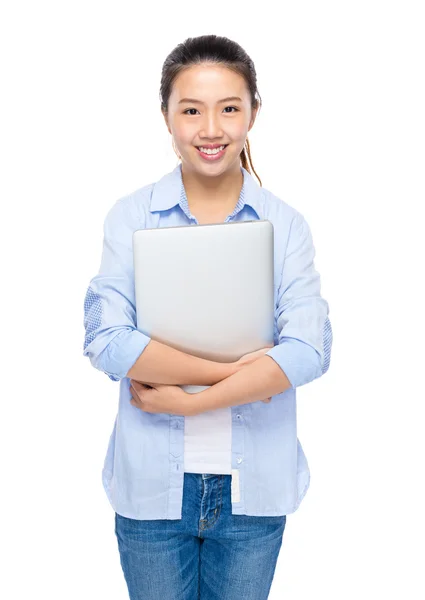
x,y
219,371
235,367
229,369
192,404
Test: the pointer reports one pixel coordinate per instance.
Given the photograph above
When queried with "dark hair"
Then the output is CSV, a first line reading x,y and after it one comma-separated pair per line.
x,y
211,49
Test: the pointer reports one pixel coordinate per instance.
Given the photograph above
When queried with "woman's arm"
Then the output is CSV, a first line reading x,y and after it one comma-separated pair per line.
x,y
159,363
305,334
112,341
261,379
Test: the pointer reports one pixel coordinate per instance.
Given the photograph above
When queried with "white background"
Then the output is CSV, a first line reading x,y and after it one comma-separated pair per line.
x,y
340,137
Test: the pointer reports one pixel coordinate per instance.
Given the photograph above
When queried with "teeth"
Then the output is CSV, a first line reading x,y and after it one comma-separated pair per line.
x,y
208,151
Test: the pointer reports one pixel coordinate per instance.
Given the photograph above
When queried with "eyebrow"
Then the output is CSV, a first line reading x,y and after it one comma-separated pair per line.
x,y
194,101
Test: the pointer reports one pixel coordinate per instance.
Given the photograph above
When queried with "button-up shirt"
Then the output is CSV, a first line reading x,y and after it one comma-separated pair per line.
x,y
143,470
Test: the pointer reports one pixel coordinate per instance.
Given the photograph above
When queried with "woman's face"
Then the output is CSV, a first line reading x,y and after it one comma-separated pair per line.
x,y
209,120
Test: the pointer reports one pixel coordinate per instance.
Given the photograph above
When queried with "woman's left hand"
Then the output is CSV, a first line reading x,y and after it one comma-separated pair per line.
x,y
162,398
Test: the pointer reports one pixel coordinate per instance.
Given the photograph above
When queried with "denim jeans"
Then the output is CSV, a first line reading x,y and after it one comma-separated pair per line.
x,y
208,554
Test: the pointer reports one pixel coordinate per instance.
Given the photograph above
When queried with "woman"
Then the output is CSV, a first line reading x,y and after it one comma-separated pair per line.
x,y
184,533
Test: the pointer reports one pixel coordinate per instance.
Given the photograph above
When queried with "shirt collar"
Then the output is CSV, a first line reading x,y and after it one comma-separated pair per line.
x,y
169,191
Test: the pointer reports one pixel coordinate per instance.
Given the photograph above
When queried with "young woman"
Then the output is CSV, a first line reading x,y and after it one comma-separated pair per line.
x,y
201,483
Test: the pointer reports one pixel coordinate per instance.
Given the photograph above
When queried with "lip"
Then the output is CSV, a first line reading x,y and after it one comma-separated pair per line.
x,y
212,157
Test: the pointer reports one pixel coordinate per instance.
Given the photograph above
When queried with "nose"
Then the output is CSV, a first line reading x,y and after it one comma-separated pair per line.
x,y
211,126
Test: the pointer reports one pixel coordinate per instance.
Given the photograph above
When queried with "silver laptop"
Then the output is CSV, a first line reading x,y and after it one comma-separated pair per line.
x,y
207,290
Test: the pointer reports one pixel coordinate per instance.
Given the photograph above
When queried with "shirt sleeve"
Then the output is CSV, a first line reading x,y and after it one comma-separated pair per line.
x,y
112,341
305,333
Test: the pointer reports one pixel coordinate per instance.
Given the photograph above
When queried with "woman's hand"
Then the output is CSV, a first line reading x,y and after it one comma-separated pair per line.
x,y
160,398
251,357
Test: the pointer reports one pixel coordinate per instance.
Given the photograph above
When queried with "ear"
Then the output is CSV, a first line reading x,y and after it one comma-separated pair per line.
x,y
166,120
253,117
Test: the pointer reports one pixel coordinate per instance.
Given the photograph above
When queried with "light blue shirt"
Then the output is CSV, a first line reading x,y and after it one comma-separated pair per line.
x,y
143,471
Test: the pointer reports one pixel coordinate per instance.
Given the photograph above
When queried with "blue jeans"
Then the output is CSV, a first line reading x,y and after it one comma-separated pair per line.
x,y
208,554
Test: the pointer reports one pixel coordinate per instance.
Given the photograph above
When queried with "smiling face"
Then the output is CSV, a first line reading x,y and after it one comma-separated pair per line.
x,y
209,105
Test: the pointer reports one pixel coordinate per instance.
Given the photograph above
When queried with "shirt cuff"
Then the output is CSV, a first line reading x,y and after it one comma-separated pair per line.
x,y
299,361
122,352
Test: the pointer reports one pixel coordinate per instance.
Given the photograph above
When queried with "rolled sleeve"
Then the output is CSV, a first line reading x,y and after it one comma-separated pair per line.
x,y
112,341
305,332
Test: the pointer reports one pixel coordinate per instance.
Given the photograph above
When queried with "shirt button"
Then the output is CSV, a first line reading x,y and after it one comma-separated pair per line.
x,y
238,416
239,460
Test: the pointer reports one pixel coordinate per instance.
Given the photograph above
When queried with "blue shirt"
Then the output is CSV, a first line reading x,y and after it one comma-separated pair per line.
x,y
143,470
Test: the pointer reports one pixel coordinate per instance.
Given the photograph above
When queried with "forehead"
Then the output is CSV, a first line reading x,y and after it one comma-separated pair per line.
x,y
206,82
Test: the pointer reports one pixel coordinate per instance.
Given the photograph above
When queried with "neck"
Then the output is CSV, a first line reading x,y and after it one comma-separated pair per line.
x,y
220,191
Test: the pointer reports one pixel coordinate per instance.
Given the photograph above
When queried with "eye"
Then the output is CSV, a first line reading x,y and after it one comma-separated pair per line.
x,y
234,107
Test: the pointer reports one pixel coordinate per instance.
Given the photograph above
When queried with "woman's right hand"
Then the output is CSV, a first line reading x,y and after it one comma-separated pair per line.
x,y
251,357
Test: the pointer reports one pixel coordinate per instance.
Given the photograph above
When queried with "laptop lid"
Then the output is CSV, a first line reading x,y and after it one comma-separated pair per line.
x,y
207,290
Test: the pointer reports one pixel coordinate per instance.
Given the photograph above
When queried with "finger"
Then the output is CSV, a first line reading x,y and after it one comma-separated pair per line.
x,y
134,394
141,395
144,386
138,388
136,401
135,384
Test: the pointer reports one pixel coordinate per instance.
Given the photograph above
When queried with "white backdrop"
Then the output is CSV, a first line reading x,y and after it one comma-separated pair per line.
x,y
340,137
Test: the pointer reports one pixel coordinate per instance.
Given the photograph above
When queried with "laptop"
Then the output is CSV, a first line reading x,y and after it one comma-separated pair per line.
x,y
207,290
